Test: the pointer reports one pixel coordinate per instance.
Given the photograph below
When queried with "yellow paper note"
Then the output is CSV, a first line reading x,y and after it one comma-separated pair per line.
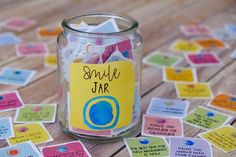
x,y
50,60
101,95
193,90
34,132
185,46
179,74
223,138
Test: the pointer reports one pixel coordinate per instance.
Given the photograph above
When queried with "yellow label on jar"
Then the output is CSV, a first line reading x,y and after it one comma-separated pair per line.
x,y
101,95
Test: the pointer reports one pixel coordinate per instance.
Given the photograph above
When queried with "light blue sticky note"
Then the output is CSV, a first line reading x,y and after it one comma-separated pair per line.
x,y
12,76
233,54
108,26
231,28
9,38
26,149
168,107
6,128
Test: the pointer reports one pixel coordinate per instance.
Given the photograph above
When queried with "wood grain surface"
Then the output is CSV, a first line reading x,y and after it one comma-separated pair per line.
x,y
159,22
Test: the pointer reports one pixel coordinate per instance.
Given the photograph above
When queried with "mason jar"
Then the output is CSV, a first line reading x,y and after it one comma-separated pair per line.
x,y
99,62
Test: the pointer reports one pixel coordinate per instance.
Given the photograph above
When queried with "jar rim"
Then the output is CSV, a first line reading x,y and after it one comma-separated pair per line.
x,y
133,27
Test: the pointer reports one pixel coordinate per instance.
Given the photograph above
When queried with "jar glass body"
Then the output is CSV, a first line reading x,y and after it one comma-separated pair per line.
x,y
79,45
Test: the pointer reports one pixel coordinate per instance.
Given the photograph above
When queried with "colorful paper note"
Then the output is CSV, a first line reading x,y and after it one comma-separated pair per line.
x,y
69,149
195,30
168,107
224,101
231,28
31,49
6,128
190,147
97,88
8,38
34,132
206,119
233,54
203,59
223,138
25,149
18,77
179,74
185,46
18,24
49,31
10,101
209,43
147,147
44,113
222,34
156,126
158,59
50,60
193,90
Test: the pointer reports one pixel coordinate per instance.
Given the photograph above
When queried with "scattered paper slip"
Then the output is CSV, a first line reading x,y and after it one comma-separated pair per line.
x,y
31,49
18,24
158,59
185,46
43,113
18,77
209,43
185,146
25,149
195,30
193,90
157,126
206,119
8,38
34,132
179,74
6,128
72,149
223,138
48,31
147,147
10,101
225,102
50,60
203,59
168,107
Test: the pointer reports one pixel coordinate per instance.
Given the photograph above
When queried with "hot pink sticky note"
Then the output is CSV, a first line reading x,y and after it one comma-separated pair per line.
x,y
157,126
208,58
31,49
124,47
70,149
10,101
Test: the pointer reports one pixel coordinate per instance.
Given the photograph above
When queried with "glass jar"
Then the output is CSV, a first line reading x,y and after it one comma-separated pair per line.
x,y
99,62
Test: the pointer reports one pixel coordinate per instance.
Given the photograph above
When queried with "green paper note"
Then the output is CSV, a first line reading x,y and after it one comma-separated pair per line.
x,y
206,119
147,147
160,60
44,113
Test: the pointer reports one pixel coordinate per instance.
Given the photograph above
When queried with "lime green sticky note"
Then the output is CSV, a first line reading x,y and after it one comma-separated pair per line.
x,y
159,60
147,147
206,119
44,113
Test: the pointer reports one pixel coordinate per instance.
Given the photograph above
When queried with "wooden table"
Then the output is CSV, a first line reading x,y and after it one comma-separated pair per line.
x,y
159,23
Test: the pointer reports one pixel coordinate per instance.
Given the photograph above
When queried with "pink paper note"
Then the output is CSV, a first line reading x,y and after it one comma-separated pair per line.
x,y
157,126
10,101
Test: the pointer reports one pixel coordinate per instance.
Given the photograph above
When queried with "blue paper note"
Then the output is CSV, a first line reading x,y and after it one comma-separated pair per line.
x,y
6,128
26,149
9,38
12,76
231,28
168,107
233,54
